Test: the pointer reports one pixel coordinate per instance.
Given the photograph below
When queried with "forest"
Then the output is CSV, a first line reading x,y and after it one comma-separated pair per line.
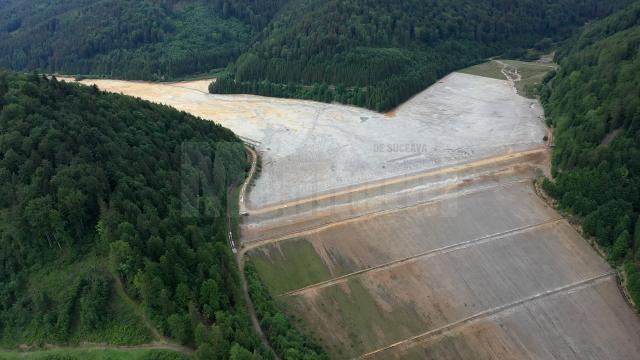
x,y
593,105
285,338
377,54
129,39
104,194
369,53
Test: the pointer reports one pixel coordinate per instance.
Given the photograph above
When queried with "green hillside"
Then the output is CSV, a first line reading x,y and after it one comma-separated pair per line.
x,y
371,53
130,39
96,354
593,103
112,226
377,54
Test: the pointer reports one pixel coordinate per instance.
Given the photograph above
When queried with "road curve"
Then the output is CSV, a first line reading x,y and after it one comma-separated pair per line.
x,y
243,190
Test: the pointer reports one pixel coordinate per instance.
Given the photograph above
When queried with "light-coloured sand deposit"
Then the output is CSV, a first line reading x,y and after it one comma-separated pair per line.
x,y
310,147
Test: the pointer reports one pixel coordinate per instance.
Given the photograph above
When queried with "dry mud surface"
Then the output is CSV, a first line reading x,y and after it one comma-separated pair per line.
x,y
432,185
371,241
490,275
569,325
310,147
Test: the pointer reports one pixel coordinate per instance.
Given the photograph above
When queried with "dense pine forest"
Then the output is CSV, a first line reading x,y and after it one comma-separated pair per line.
x,y
593,103
371,53
377,54
109,204
129,39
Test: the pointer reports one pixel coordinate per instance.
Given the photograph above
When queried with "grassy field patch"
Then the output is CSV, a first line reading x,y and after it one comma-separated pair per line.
x,y
360,320
95,354
490,69
60,289
291,265
532,74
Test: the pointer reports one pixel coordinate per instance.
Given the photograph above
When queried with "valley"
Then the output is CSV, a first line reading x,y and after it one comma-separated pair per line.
x,y
384,250
319,179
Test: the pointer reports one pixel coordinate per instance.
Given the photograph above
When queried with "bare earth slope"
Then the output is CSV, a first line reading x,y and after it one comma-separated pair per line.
x,y
489,274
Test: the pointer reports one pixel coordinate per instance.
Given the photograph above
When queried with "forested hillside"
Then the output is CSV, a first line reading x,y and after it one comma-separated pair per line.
x,y
378,53
130,39
107,199
373,53
594,105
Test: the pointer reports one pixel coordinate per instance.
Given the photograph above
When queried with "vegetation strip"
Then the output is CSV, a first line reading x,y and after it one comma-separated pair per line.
x,y
97,353
442,250
489,312
285,337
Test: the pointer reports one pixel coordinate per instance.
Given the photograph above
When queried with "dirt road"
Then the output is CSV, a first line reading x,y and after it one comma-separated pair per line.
x,y
243,190
240,258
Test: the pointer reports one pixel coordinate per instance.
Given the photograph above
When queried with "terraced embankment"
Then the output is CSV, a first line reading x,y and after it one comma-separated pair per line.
x,y
491,273
468,263
446,253
310,148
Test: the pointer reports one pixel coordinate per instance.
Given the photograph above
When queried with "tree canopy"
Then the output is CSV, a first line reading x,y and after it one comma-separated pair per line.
x,y
593,103
106,190
371,53
129,39
377,54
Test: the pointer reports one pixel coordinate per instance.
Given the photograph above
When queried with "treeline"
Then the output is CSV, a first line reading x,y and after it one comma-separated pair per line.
x,y
108,190
382,96
147,40
370,97
386,52
382,51
287,341
593,103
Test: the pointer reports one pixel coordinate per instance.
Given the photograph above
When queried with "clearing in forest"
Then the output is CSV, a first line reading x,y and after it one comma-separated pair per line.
x,y
526,76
